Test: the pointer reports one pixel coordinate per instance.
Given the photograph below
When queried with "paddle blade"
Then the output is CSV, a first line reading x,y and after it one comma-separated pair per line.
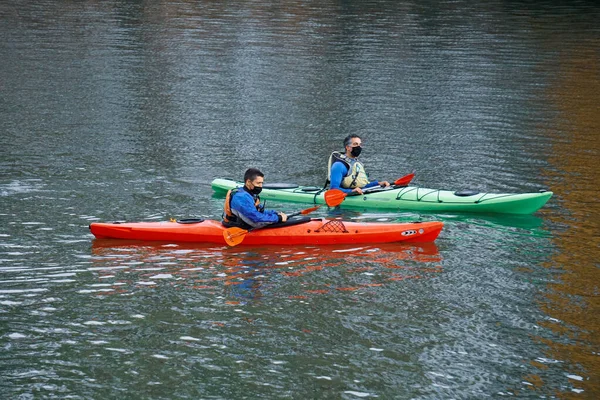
x,y
405,180
309,210
234,236
334,197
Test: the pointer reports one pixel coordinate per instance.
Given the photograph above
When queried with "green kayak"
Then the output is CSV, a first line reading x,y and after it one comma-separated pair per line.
x,y
406,198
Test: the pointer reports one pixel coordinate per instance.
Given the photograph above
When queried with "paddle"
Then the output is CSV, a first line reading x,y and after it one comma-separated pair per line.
x,y
335,197
234,236
405,180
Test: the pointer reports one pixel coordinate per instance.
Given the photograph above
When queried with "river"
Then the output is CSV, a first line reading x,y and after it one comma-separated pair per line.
x,y
126,110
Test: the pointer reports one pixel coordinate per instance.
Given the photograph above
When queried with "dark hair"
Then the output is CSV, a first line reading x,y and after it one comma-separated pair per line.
x,y
349,138
252,173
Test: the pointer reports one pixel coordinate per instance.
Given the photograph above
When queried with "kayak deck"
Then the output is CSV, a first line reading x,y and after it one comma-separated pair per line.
x,y
406,198
314,231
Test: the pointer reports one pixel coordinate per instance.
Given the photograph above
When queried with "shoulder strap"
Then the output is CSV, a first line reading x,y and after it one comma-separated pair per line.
x,y
227,214
333,158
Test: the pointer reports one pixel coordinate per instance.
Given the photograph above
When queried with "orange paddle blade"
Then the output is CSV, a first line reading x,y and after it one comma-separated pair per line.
x,y
309,210
405,180
234,236
334,197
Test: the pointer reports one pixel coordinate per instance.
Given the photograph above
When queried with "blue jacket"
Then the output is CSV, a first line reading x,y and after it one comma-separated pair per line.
x,y
338,171
242,206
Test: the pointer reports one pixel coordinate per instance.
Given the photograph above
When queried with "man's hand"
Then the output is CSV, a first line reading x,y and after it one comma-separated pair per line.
x,y
283,217
358,190
384,184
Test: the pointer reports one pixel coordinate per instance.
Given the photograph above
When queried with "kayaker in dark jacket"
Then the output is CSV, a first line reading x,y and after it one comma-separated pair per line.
x,y
346,172
242,206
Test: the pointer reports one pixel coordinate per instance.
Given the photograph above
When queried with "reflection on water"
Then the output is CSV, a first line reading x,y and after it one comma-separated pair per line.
x,y
240,276
572,301
126,110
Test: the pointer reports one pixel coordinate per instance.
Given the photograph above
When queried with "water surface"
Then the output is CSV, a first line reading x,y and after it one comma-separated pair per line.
x,y
120,110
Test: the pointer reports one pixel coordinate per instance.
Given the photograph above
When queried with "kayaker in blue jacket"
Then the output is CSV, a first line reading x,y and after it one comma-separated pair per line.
x,y
242,206
346,172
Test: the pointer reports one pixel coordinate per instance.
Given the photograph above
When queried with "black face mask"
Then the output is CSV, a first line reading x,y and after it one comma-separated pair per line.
x,y
356,151
256,191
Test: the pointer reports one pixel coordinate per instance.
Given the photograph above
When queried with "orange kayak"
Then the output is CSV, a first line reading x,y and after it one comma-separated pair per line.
x,y
307,232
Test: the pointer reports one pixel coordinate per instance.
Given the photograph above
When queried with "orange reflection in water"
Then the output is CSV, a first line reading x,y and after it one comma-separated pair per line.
x,y
573,303
240,274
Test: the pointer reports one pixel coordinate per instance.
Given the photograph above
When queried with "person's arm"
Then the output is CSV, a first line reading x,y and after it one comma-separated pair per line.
x,y
338,171
242,204
280,215
376,183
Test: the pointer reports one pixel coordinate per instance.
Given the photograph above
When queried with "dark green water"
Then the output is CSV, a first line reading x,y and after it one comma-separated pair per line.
x,y
120,110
